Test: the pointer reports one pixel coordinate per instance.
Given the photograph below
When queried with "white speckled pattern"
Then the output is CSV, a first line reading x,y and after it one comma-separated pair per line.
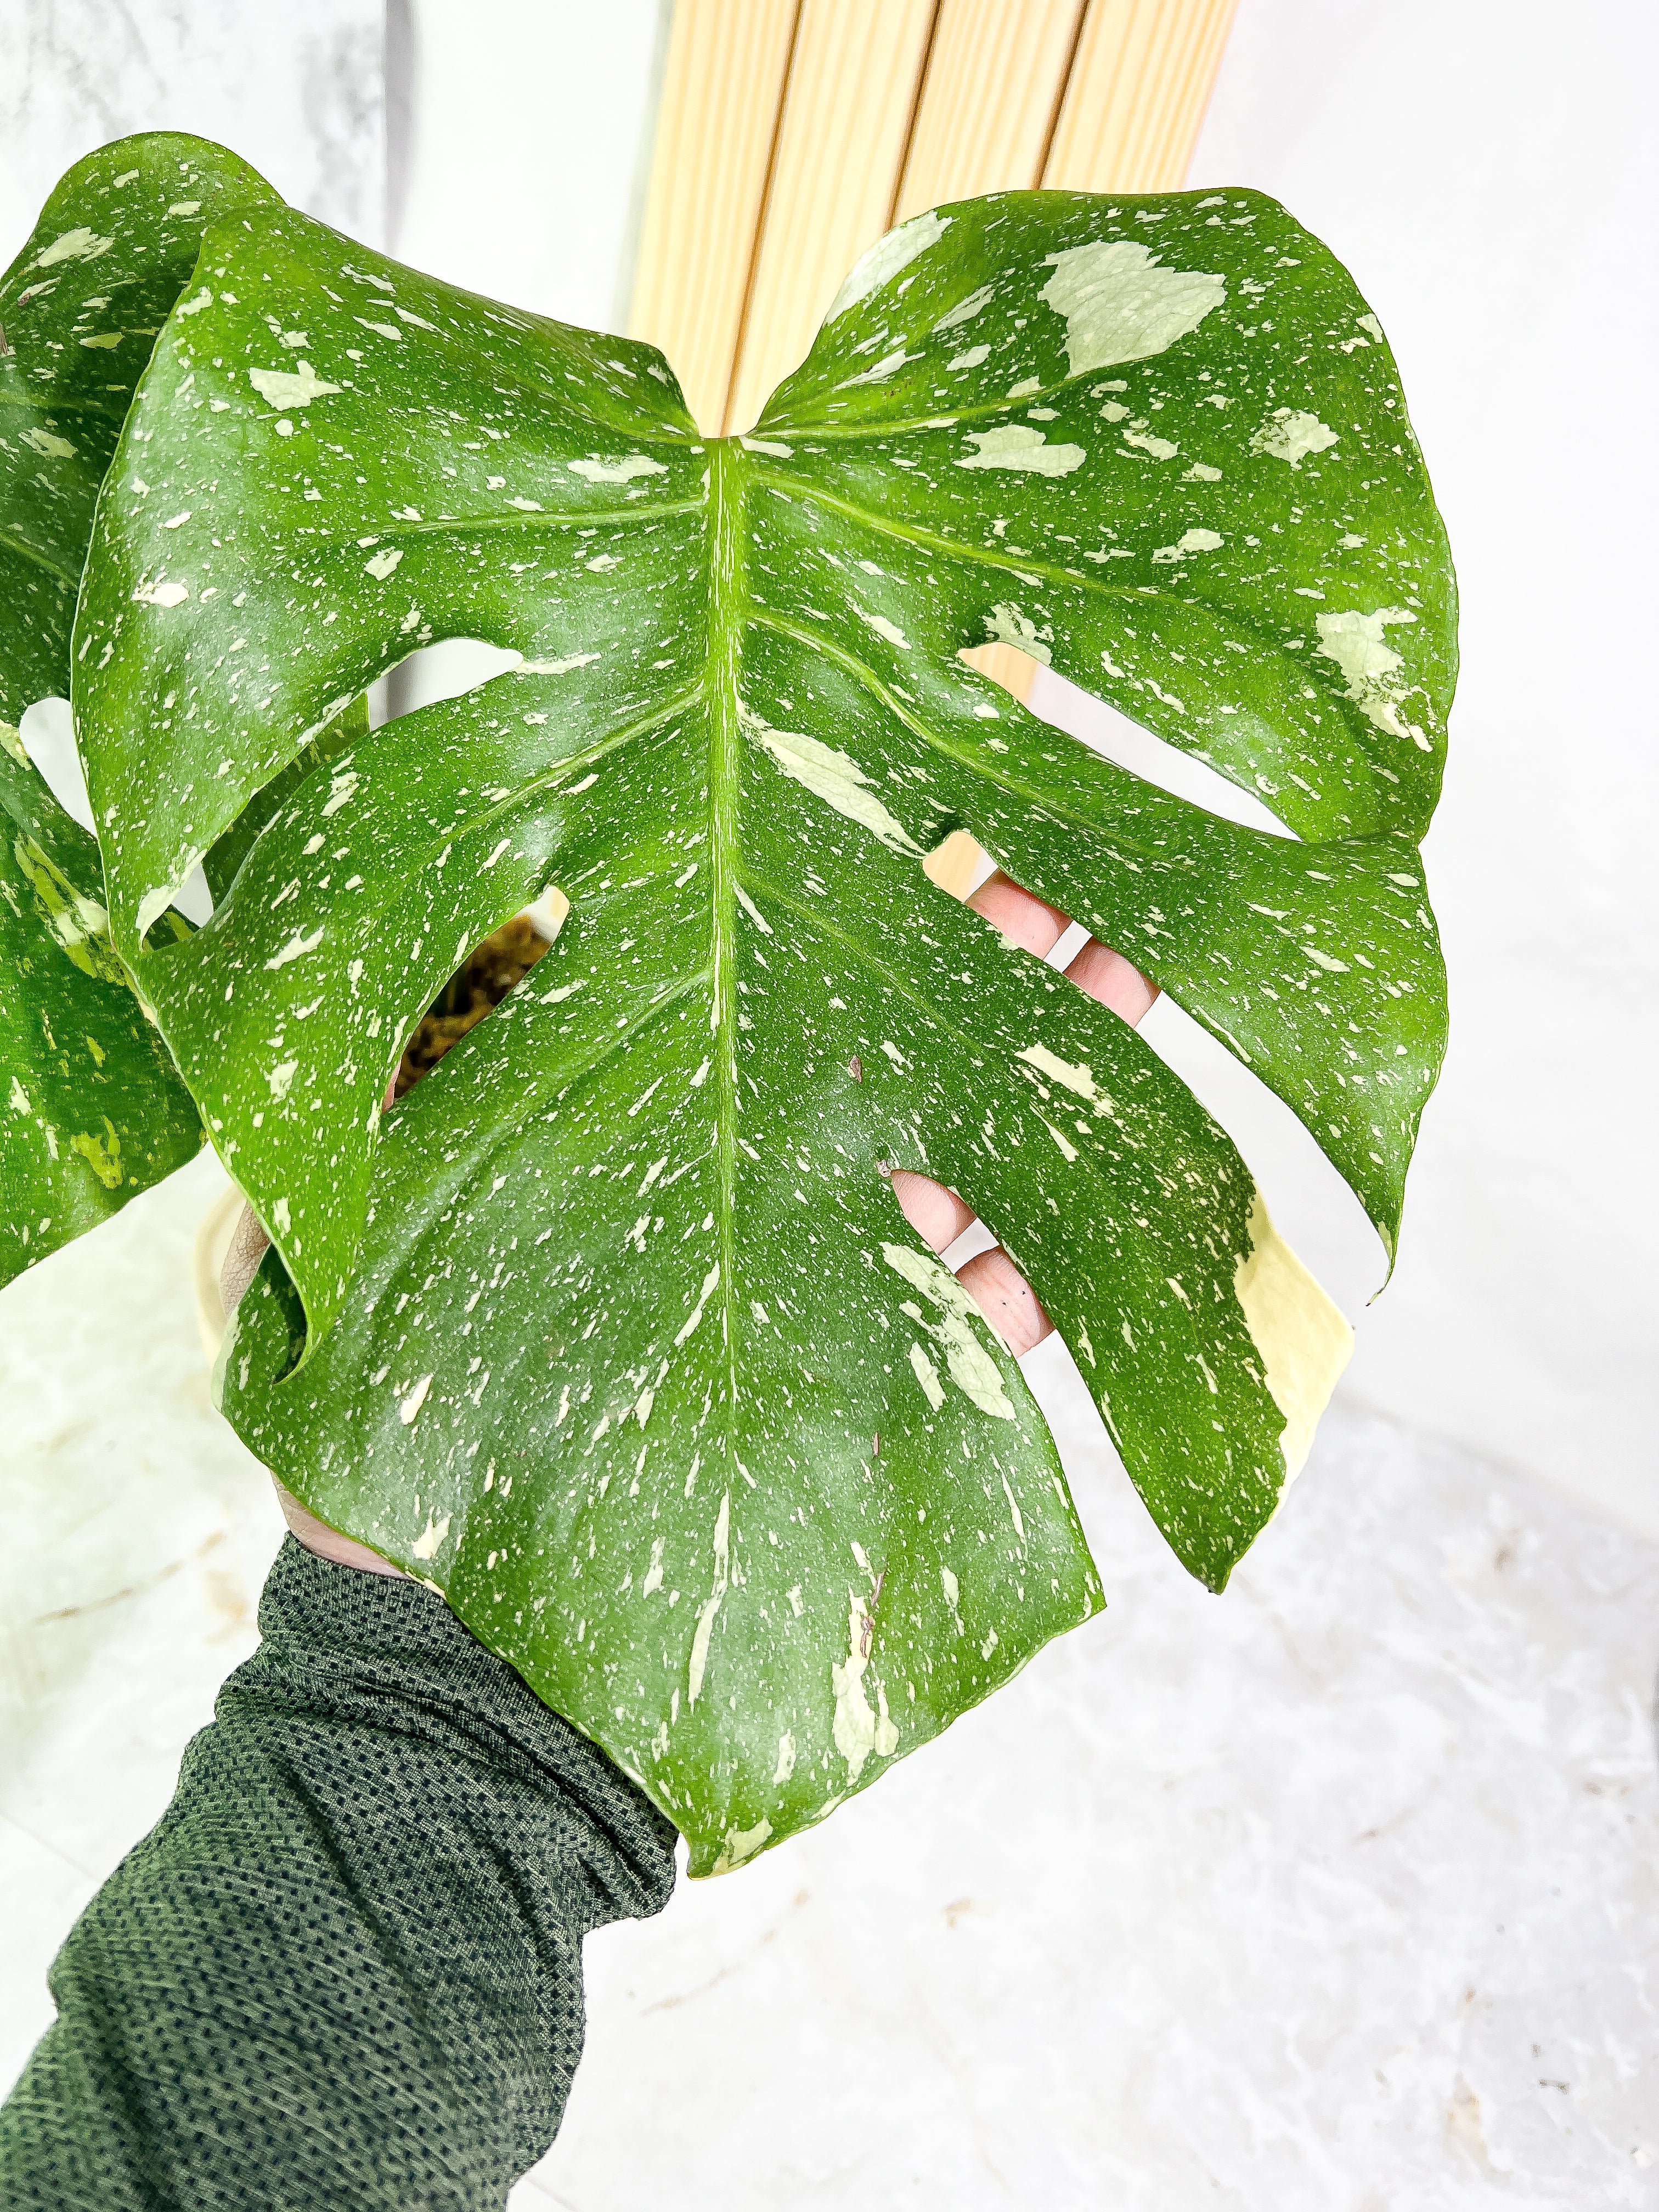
x,y
1335,1894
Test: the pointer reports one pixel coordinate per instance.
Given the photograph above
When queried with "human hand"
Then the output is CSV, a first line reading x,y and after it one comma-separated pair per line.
x,y
938,1215
248,1245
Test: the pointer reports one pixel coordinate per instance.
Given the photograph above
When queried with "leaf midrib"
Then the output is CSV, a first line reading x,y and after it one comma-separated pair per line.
x,y
728,607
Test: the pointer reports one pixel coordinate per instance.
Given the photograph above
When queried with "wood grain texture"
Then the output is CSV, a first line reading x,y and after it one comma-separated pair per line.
x,y
794,132
1005,665
1137,94
996,77
840,150
954,866
727,65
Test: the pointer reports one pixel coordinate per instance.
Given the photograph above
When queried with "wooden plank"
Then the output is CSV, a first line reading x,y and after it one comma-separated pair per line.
x,y
835,168
723,84
792,136
990,101
996,77
955,866
1138,87
1141,81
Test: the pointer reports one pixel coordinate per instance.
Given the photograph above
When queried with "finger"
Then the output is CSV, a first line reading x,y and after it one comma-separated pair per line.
x,y
1006,1300
1116,982
937,1215
1035,926
328,1543
990,1279
1031,923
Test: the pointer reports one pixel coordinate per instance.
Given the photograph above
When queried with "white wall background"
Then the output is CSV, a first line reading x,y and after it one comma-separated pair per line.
x,y
520,142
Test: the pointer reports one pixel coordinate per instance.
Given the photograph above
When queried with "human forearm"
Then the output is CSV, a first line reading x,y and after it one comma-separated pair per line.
x,y
345,1968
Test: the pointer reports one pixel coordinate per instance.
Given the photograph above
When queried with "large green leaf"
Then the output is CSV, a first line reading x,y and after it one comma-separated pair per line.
x,y
614,1330
95,1110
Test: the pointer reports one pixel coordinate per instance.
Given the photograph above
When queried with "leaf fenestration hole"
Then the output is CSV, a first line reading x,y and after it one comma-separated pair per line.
x,y
1312,1208
494,969
1016,671
1111,733
1106,730
46,733
959,865
448,670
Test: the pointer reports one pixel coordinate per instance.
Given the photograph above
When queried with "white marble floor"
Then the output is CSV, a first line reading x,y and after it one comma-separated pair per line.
x,y
1340,1893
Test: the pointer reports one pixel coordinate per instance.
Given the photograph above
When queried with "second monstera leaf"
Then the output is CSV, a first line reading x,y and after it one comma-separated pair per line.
x,y
614,1331
93,1109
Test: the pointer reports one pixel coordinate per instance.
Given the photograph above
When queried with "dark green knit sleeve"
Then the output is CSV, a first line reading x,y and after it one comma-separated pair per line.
x,y
345,1970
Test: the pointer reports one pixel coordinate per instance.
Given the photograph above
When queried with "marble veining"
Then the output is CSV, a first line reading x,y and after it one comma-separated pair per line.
x,y
297,90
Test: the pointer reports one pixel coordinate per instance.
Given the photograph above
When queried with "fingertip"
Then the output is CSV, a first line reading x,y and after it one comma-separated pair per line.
x,y
937,1215
1030,922
1006,1299
1116,982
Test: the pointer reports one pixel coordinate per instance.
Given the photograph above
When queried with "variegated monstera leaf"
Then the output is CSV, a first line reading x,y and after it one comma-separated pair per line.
x,y
94,1110
614,1331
